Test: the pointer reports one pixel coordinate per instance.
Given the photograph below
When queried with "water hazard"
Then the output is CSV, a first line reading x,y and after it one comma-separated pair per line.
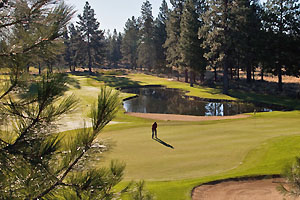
x,y
173,101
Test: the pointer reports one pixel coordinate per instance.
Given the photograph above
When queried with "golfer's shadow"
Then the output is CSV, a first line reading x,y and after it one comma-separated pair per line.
x,y
163,143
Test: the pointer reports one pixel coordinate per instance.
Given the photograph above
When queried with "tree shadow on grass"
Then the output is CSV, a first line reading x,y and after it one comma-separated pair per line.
x,y
117,82
73,82
163,143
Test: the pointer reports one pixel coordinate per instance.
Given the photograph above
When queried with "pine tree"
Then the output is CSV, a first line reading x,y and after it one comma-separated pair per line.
x,y
190,44
67,53
146,47
35,161
130,42
173,56
218,35
75,47
114,48
92,36
160,35
247,36
291,173
282,20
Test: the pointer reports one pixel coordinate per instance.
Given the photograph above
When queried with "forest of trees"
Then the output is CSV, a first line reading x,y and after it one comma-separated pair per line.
x,y
37,162
191,37
194,36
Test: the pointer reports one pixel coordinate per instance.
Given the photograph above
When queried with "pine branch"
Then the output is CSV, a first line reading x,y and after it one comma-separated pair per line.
x,y
34,122
9,90
25,18
4,142
60,181
37,44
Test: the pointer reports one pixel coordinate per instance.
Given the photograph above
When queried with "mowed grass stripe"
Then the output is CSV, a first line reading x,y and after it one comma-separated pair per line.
x,y
199,150
203,151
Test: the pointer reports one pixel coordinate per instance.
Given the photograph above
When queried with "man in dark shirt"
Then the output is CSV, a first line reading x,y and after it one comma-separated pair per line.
x,y
154,131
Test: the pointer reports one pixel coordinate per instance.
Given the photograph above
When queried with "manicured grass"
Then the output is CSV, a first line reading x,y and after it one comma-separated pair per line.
x,y
269,157
203,151
198,91
267,99
200,149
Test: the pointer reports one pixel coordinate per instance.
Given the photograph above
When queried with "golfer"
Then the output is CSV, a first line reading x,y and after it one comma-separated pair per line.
x,y
154,131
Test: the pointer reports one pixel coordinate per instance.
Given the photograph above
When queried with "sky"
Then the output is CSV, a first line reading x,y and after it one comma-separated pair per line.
x,y
114,13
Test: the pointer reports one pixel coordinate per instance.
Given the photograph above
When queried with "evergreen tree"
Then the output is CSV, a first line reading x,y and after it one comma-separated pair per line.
x,y
146,47
114,48
160,35
92,36
190,44
253,53
291,173
75,47
130,42
218,34
282,20
173,55
247,36
67,53
35,161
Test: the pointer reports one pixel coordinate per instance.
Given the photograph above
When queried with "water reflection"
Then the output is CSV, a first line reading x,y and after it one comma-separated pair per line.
x,y
173,101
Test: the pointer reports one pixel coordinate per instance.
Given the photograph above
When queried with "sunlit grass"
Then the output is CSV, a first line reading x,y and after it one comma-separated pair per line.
x,y
203,151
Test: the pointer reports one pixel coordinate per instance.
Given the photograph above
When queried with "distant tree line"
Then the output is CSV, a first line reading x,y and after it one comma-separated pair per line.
x,y
195,36
37,162
232,35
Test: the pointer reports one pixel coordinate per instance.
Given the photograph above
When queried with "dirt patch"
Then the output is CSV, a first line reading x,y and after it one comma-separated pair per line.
x,y
264,189
172,117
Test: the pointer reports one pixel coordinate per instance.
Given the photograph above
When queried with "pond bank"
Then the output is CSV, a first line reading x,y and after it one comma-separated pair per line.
x,y
191,118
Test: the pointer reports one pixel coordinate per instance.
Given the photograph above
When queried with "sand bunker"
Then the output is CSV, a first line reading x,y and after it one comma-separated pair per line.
x,y
172,117
241,190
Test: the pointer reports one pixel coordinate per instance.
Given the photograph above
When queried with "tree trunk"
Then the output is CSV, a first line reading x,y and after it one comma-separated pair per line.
x,y
238,72
74,67
194,77
27,68
50,68
225,77
70,66
253,73
89,55
231,73
186,76
191,78
249,73
40,70
279,78
262,74
202,76
216,75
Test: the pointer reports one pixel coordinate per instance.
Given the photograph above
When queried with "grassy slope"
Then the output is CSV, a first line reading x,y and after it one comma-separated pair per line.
x,y
200,149
208,151
204,151
198,91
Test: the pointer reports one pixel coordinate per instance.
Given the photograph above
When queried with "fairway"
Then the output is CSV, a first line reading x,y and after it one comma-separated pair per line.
x,y
200,149
200,101
191,153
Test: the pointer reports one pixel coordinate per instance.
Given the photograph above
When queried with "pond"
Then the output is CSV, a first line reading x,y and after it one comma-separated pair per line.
x,y
173,101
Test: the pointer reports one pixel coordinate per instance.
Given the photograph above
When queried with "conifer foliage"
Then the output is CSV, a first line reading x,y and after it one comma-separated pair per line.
x,y
173,55
130,42
190,44
282,22
92,36
114,55
35,161
160,36
146,47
